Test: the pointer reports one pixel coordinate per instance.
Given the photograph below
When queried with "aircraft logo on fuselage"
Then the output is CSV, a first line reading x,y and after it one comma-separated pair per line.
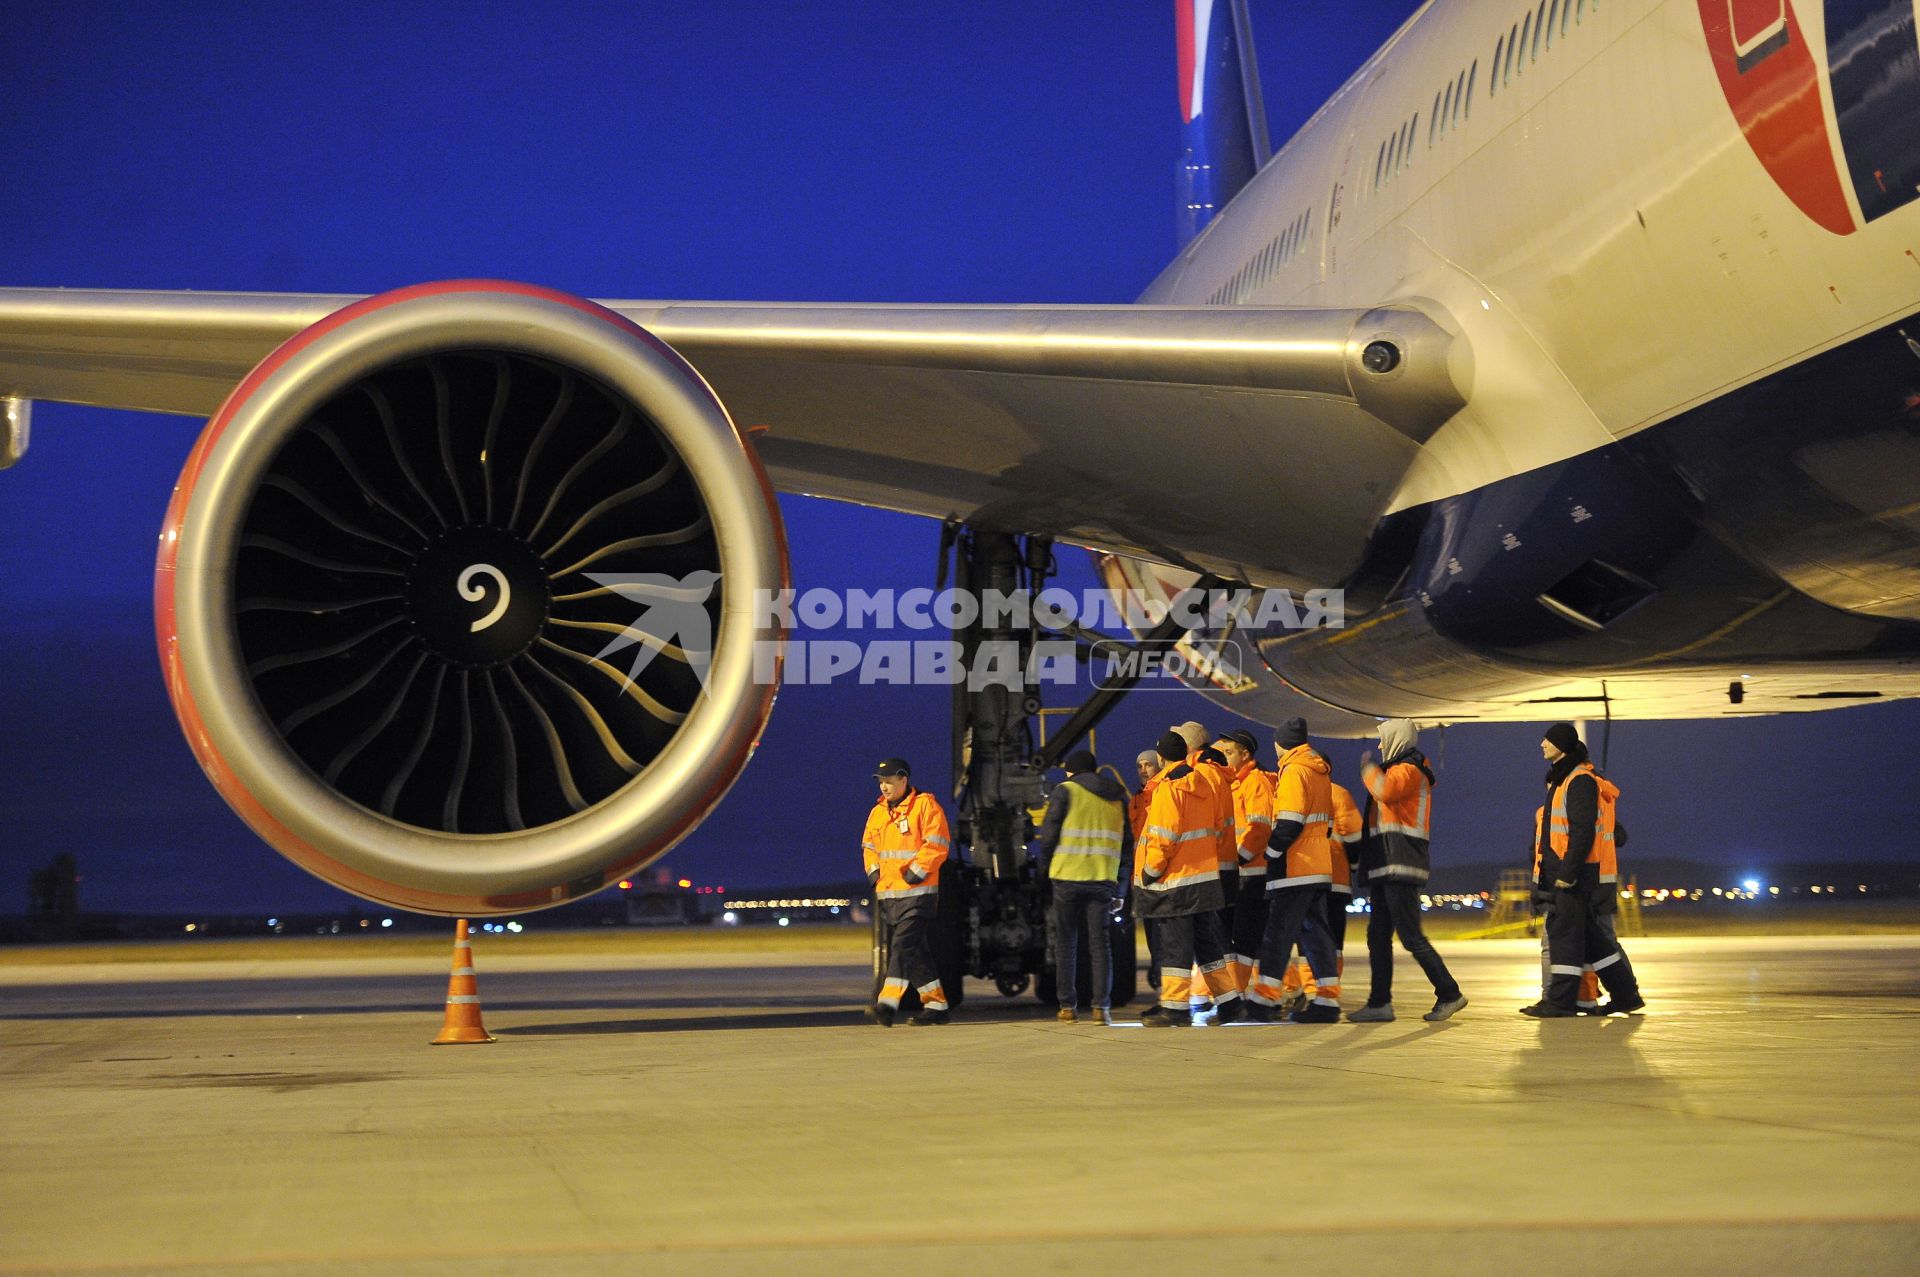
x,y
1771,76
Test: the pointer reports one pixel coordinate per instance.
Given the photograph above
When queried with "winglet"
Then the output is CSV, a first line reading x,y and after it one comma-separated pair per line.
x,y
1224,127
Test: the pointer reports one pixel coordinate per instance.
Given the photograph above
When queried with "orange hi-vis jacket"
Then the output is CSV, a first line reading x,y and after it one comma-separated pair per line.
x,y
1137,811
1602,855
1346,840
1302,795
1220,780
905,845
1175,869
1252,817
1397,827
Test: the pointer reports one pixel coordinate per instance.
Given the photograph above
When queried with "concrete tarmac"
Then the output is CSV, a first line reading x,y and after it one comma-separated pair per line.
x,y
711,1114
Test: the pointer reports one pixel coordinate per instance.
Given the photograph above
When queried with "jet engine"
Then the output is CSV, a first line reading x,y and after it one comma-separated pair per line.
x,y
455,598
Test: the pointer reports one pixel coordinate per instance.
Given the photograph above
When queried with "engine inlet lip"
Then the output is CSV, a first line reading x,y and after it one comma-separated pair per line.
x,y
278,794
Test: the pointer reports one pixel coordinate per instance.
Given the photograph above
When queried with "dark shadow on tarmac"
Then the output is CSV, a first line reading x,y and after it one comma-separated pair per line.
x,y
838,1014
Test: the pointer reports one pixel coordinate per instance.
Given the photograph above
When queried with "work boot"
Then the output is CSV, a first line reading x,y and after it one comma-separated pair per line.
x,y
1292,1001
1548,1011
1316,1013
1446,1008
1260,1013
1159,1017
1229,1011
881,1014
936,1016
1621,1006
1066,1015
1371,1014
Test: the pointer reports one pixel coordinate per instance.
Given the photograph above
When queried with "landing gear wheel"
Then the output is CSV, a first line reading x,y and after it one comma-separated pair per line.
x,y
1012,986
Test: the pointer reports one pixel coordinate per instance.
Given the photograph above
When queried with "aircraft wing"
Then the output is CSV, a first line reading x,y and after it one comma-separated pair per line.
x,y
1258,443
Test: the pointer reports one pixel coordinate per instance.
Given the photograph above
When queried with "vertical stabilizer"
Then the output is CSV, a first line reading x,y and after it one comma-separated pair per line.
x,y
1224,127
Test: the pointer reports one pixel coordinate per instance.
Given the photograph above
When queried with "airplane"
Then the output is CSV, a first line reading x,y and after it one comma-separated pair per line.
x,y
1576,342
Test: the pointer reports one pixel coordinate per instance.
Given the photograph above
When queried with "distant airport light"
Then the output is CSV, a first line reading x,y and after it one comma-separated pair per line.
x,y
730,917
1752,885
273,922
386,922
625,885
686,882
783,922
191,927
1773,891
515,927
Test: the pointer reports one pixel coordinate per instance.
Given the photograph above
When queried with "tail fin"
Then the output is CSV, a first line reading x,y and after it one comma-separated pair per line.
x,y
1224,138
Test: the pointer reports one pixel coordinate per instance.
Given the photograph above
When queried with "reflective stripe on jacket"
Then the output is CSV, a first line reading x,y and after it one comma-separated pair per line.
x,y
1093,835
1252,817
1220,782
1602,858
1175,869
1396,827
905,845
1346,840
1302,802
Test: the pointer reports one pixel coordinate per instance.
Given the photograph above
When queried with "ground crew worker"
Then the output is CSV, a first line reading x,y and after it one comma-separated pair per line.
x,y
1395,830
1085,851
1299,870
1147,764
1252,826
906,843
1211,767
1177,889
1588,1002
1579,866
1300,987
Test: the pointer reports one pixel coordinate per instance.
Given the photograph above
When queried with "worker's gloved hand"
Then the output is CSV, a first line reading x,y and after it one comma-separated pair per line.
x,y
1542,898
1116,906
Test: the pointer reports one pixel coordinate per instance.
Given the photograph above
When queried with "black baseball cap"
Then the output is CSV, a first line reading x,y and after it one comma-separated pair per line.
x,y
1244,739
892,767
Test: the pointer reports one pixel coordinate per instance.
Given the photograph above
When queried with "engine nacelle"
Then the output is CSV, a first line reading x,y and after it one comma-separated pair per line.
x,y
455,598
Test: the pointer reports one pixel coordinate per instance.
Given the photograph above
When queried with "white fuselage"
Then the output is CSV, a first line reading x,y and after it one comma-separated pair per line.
x,y
1589,212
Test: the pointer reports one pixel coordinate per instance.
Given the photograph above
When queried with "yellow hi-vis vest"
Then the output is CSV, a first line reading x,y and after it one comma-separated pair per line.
x,y
1090,836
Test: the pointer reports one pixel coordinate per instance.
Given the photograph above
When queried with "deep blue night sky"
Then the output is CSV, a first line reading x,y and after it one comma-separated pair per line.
x,y
981,152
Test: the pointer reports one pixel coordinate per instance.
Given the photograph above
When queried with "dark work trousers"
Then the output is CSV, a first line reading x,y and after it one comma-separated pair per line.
x,y
1323,932
1337,902
1077,907
1608,959
1396,911
1249,920
1288,909
1580,936
907,928
1178,943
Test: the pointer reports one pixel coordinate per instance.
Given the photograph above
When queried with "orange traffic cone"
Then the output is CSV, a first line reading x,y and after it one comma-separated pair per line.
x,y
463,995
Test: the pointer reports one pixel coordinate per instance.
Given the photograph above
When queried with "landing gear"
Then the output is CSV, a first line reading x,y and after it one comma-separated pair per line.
x,y
993,910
